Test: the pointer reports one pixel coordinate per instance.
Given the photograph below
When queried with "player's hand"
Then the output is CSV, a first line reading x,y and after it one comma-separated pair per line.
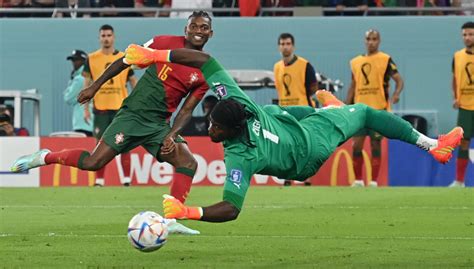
x,y
87,94
395,98
173,208
456,104
139,56
168,145
87,114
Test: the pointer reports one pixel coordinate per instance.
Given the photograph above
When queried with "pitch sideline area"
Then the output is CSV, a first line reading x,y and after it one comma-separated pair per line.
x,y
278,227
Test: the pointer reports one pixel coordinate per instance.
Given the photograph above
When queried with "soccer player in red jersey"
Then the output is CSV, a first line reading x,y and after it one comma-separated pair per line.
x,y
143,119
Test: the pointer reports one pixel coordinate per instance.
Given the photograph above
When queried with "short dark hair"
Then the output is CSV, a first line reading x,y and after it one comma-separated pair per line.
x,y
372,31
468,25
286,36
106,27
200,13
230,113
210,99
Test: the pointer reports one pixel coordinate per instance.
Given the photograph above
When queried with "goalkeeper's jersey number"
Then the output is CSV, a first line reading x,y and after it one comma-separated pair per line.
x,y
266,134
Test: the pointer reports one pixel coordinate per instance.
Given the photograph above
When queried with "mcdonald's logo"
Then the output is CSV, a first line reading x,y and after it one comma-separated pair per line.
x,y
73,173
350,166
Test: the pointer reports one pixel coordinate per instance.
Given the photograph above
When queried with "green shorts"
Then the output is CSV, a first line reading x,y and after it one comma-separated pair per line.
x,y
466,121
128,130
328,129
102,120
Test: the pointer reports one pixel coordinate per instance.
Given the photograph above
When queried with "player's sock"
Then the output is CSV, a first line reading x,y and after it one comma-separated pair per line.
x,y
125,160
461,165
181,184
99,176
394,127
357,164
376,161
70,157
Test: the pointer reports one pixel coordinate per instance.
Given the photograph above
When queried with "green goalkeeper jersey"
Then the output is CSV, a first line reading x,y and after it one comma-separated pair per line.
x,y
277,144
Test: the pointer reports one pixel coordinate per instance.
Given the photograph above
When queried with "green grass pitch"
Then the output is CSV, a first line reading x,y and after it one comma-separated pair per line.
x,y
296,227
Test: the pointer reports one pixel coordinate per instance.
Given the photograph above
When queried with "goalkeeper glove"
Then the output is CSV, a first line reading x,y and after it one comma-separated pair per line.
x,y
143,57
174,209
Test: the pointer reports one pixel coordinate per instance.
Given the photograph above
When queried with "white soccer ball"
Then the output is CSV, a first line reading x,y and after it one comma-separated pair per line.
x,y
147,231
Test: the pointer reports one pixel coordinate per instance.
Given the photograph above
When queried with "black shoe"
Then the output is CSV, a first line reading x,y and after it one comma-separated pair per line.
x,y
307,183
287,183
126,184
98,185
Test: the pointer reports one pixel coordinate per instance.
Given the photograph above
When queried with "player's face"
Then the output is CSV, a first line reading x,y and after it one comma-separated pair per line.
x,y
372,42
76,63
286,47
198,31
107,39
217,132
468,37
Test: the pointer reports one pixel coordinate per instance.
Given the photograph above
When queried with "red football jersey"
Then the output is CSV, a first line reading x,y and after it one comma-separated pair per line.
x,y
178,80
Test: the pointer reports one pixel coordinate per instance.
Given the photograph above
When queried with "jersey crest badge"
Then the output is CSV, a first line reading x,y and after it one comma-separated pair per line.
x,y
236,176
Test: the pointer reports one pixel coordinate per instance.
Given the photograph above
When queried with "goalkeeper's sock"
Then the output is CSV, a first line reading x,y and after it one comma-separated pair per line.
x,y
181,184
70,157
394,127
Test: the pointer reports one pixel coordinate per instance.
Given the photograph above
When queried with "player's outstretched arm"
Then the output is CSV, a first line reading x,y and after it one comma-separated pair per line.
x,y
142,57
114,69
220,212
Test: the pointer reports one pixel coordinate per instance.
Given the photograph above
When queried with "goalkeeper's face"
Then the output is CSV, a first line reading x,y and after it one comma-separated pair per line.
x,y
198,31
217,132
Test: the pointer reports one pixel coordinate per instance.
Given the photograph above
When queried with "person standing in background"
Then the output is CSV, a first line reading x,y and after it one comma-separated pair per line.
x,y
295,78
109,98
370,85
75,85
463,93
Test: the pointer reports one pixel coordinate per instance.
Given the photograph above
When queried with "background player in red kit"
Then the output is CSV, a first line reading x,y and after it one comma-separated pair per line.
x,y
143,119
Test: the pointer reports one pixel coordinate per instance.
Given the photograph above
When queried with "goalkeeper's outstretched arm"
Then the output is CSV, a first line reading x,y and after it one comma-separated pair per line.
x,y
142,57
220,212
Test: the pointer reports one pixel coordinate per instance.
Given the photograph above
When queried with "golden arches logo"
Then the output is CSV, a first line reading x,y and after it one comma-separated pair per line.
x,y
350,166
73,172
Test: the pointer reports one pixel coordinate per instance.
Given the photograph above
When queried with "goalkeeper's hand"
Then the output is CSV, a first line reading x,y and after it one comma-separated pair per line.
x,y
174,209
139,56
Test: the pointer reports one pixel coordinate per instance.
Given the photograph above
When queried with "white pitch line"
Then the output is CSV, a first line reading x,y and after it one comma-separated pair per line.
x,y
250,206
317,237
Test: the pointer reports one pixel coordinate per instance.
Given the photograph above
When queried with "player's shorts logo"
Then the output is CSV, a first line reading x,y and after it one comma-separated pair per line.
x,y
119,138
235,176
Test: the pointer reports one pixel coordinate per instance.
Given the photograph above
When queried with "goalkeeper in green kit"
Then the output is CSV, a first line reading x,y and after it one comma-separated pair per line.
x,y
287,142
